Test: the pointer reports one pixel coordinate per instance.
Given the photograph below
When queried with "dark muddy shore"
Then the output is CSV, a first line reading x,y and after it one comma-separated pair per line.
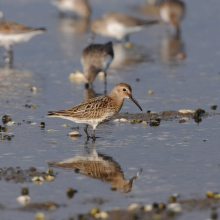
x,y
164,115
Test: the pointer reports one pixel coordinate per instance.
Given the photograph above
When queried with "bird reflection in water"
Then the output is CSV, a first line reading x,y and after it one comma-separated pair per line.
x,y
73,25
12,82
71,34
128,54
172,49
90,93
98,166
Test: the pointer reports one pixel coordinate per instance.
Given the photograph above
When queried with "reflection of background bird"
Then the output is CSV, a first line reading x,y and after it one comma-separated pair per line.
x,y
98,166
171,47
118,25
126,56
81,7
70,26
13,33
96,58
89,93
172,12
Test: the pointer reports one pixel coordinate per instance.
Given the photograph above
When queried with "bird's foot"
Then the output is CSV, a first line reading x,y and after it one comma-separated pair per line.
x,y
93,137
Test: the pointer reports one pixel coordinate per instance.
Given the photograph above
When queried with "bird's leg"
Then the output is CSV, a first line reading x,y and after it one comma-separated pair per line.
x,y
127,38
9,55
61,14
93,135
85,129
105,91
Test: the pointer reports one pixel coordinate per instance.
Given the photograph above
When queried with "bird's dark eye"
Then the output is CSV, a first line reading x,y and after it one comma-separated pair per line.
x,y
124,89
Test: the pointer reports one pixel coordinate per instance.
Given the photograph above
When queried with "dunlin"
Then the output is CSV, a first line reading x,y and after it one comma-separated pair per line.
x,y
172,12
100,109
98,166
96,58
81,7
118,25
13,33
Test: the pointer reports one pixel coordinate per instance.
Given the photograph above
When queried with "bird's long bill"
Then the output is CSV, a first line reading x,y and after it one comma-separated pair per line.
x,y
91,38
135,102
136,176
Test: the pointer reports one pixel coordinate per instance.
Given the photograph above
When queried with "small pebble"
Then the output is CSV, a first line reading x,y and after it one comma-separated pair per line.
x,y
214,216
37,179
138,120
123,120
65,125
148,208
162,206
132,121
32,169
175,207
6,119
27,85
70,193
42,125
39,216
49,178
215,195
117,120
150,92
181,56
51,130
172,199
214,107
103,215
128,45
76,77
4,129
185,111
155,122
24,199
183,120
101,75
24,191
34,106
94,211
33,89
144,123
10,123
74,134
49,171
133,206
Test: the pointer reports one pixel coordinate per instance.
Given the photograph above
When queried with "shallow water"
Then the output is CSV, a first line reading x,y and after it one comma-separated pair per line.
x,y
174,157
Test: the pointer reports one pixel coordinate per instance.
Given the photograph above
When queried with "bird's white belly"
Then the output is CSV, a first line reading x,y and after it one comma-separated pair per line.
x,y
116,30
106,62
10,39
92,121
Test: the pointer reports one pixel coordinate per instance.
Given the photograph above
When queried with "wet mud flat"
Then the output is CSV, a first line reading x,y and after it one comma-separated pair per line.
x,y
181,115
157,211
164,211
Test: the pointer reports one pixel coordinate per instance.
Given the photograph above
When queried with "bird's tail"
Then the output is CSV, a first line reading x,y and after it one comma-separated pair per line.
x,y
109,48
40,29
